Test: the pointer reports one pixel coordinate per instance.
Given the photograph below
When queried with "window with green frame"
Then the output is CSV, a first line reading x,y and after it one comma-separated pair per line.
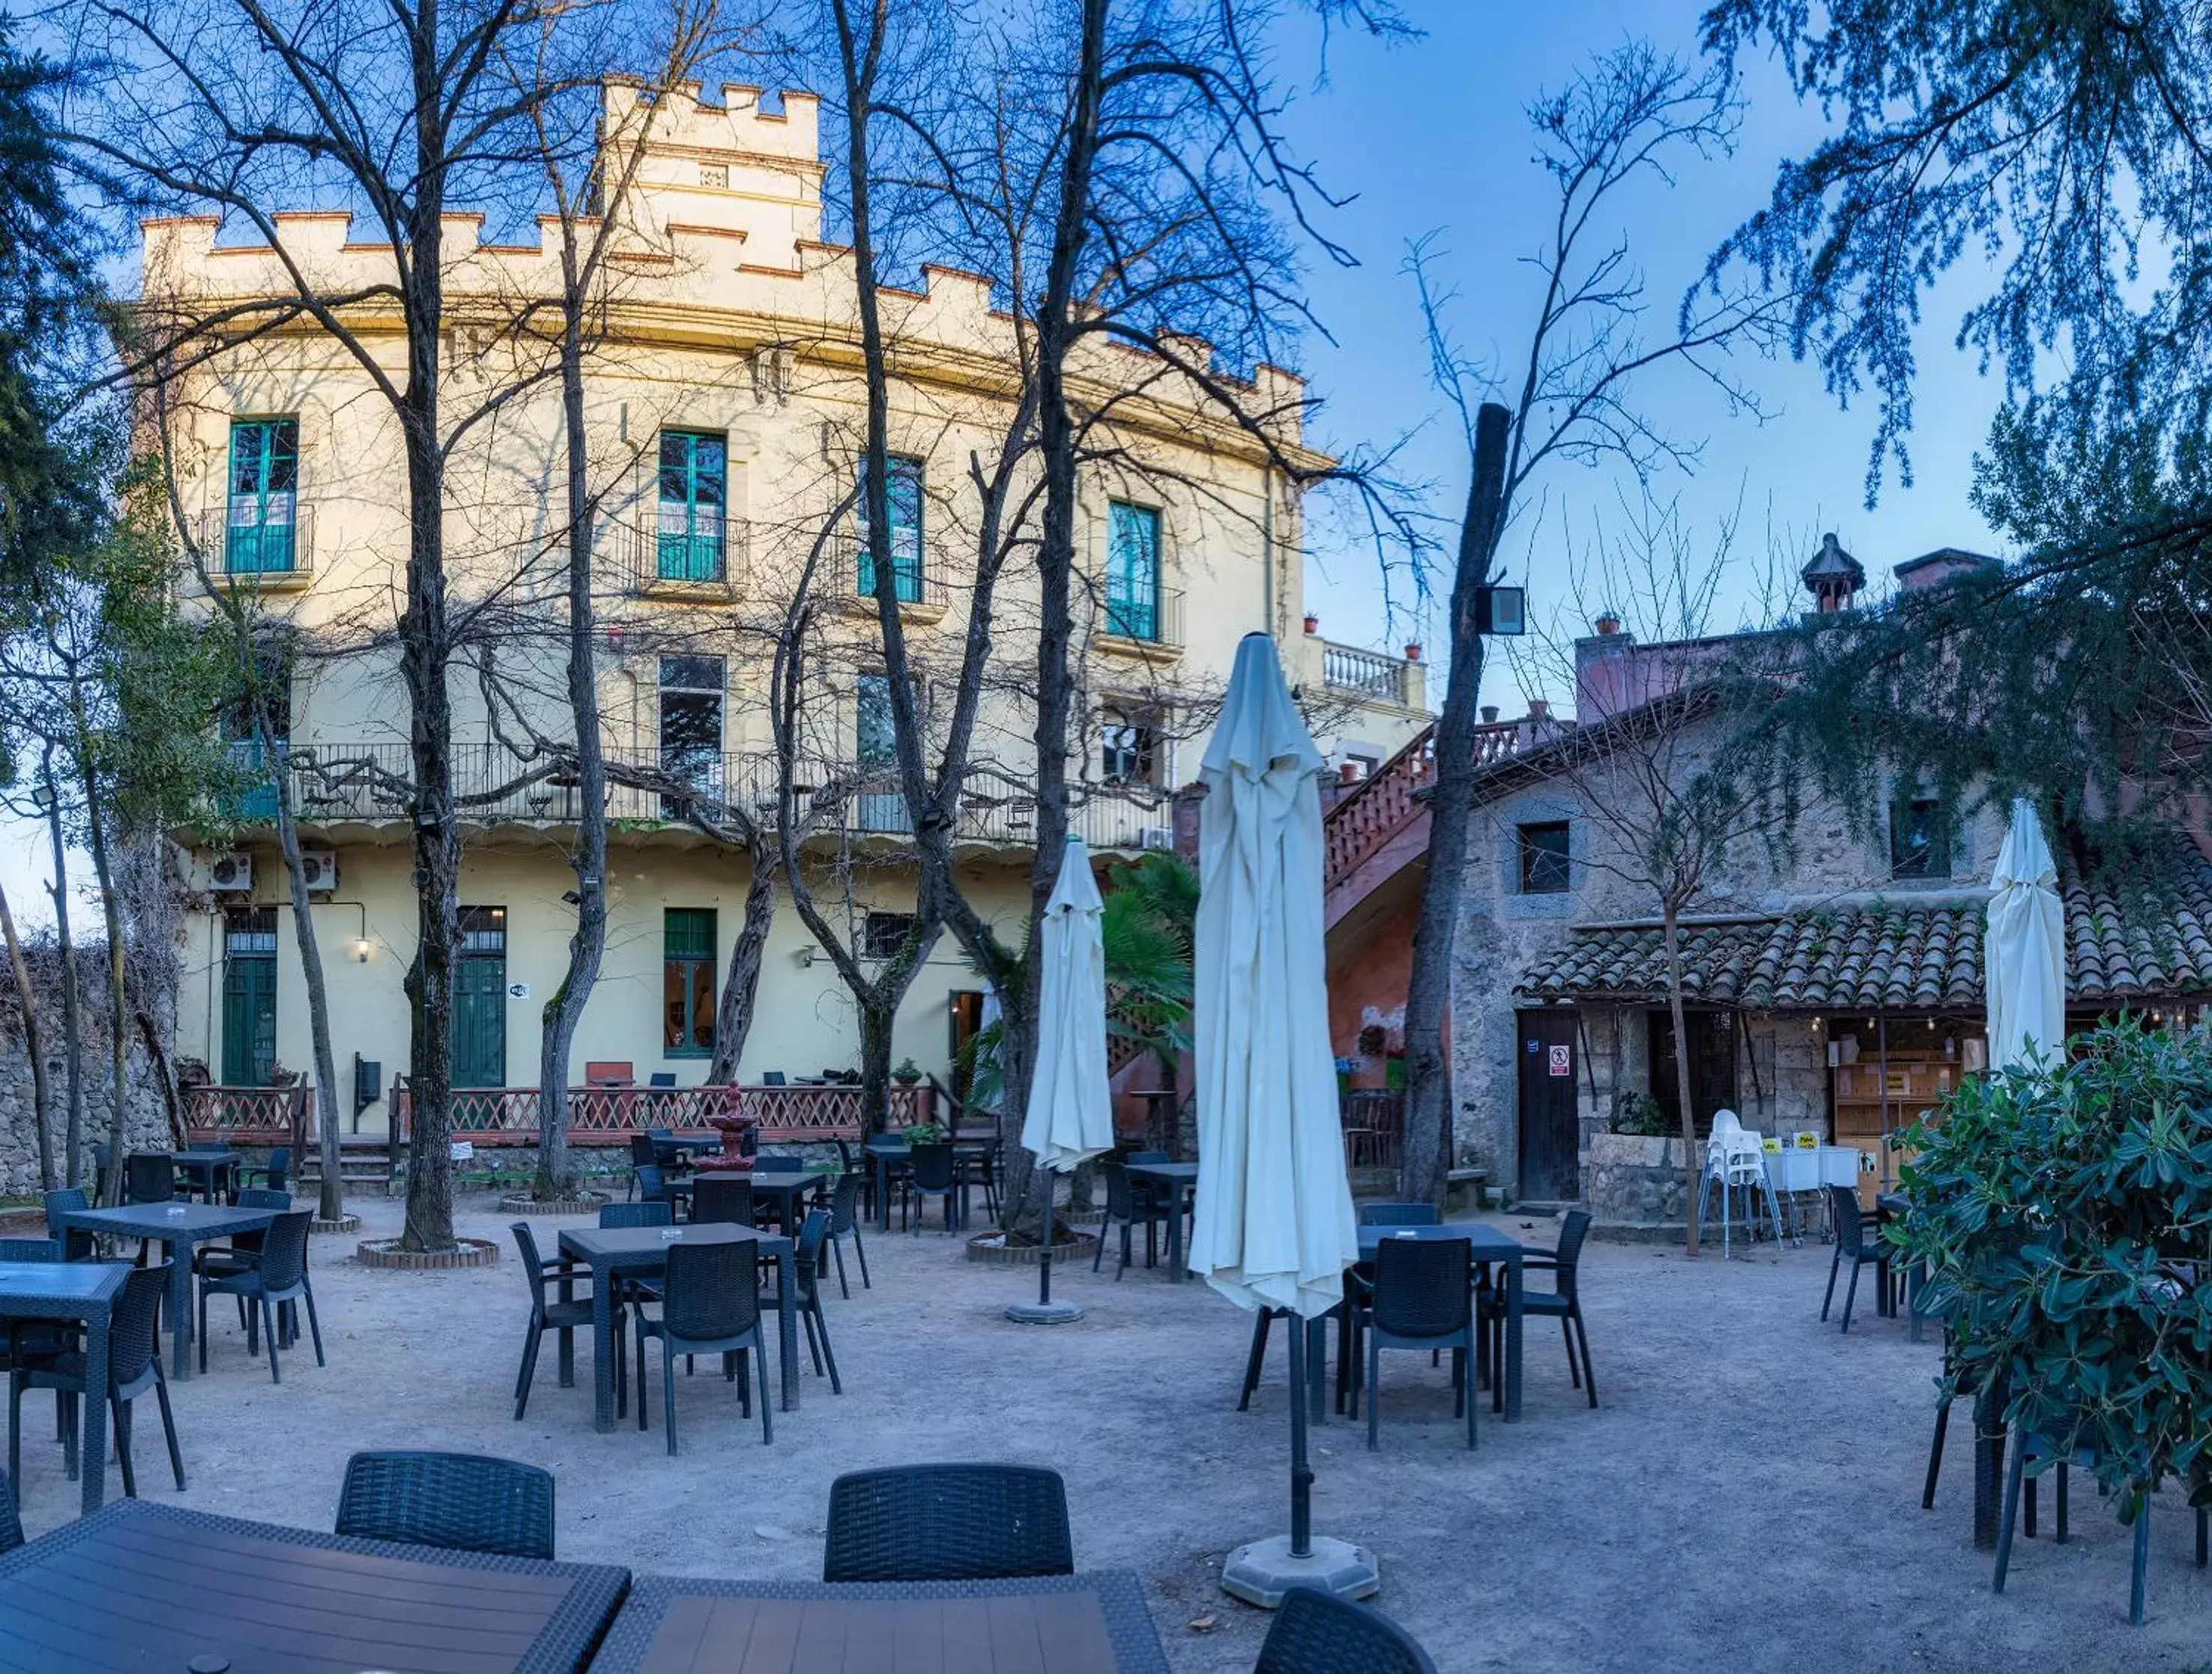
x,y
903,491
687,982
693,500
261,521
1133,570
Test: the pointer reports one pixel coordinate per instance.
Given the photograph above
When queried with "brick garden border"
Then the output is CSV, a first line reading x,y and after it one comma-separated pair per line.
x,y
985,1248
344,1223
587,1202
384,1252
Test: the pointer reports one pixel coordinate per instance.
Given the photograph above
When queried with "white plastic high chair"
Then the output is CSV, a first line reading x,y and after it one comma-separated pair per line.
x,y
1735,1156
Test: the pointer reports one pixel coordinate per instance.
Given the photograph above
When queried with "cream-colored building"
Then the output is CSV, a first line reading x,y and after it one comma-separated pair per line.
x,y
723,400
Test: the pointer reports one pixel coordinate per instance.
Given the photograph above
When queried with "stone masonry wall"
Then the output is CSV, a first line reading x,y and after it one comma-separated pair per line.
x,y
148,1127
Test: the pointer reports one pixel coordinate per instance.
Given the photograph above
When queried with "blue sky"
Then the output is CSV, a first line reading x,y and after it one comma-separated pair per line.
x,y
1432,137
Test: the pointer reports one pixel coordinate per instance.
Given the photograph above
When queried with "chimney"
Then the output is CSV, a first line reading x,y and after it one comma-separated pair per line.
x,y
1833,577
1539,709
1609,624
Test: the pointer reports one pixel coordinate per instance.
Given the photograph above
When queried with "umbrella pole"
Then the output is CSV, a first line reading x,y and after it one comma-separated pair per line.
x,y
1302,1476
1044,1310
1044,1255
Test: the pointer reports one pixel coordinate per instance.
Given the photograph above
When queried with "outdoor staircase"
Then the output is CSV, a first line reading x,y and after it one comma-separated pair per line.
x,y
365,1164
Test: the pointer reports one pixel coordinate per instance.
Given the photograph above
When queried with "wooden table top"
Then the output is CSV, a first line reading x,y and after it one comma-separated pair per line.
x,y
1061,1625
142,1586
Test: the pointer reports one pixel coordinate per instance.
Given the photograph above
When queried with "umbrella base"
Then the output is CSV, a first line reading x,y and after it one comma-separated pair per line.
x,y
1261,1573
1044,1313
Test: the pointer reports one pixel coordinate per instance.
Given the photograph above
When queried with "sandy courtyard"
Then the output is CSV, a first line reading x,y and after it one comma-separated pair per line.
x,y
1746,1497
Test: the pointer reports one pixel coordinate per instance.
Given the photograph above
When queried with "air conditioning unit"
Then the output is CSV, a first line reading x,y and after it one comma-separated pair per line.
x,y
321,867
232,874
1156,836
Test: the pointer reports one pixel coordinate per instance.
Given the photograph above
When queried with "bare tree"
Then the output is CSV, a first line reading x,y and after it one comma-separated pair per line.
x,y
26,1008
1624,122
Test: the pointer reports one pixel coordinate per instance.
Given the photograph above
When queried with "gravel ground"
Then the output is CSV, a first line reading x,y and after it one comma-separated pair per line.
x,y
1745,1496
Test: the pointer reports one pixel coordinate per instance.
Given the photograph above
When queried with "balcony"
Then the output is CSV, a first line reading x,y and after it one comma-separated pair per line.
x,y
341,783
668,559
853,581
270,556
1141,621
1373,677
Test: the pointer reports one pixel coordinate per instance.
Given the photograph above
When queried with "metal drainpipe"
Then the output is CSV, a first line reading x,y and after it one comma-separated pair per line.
x,y
1268,548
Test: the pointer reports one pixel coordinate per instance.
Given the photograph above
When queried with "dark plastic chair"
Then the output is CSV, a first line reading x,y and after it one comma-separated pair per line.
x,y
934,1172
244,1248
642,1156
656,1213
551,1314
1399,1214
276,1174
1315,1632
660,1078
806,1266
652,1186
772,1078
1424,1299
710,1306
728,1202
460,1502
134,1365
77,1246
2029,1449
149,1177
34,1342
766,1162
844,1223
11,1524
1123,1204
947,1523
1859,1241
281,1275
1562,1302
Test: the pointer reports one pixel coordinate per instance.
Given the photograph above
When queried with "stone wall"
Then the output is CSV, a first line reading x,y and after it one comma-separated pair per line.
x,y
1634,1184
148,1123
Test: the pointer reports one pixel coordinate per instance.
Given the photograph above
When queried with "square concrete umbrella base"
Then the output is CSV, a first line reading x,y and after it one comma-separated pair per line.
x,y
1261,1573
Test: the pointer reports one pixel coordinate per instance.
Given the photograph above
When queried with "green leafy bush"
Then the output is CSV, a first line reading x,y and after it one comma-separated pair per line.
x,y
2065,1212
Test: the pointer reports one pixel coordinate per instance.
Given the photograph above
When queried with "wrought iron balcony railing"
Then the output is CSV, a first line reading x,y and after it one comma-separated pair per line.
x,y
264,552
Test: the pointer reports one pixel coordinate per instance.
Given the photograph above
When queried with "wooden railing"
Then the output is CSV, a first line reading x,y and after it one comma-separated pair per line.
x,y
609,1116
249,1115
1374,1120
1387,801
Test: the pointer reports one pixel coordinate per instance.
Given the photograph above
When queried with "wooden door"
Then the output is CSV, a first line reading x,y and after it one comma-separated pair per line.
x,y
1550,1131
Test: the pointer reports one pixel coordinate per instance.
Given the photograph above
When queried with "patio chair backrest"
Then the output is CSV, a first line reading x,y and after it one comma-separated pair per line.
x,y
30,1249
947,1523
772,1078
730,1202
1422,1286
662,1136
1399,1214
648,1213
933,1167
284,1250
149,1177
652,1184
770,1161
466,1503
279,1167
132,1338
11,1525
1120,1200
263,1197
1850,1222
641,1153
1148,1156
713,1292
806,1258
660,1078
67,1201
845,1204
1572,1231
1315,1632
534,1265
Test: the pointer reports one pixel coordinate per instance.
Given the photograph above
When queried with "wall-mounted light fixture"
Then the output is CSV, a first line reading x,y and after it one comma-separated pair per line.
x,y
807,954
360,950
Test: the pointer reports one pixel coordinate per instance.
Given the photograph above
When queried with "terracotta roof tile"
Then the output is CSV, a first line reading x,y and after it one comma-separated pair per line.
x,y
2157,945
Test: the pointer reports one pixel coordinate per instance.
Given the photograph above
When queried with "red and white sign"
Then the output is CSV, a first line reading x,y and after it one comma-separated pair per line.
x,y
1562,1061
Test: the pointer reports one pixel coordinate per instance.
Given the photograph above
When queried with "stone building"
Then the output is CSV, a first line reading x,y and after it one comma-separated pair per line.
x,y
1831,963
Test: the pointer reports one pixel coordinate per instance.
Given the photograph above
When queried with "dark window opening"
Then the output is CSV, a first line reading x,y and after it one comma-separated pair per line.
x,y
1545,869
691,723
1712,1067
1128,751
1919,839
687,982
883,933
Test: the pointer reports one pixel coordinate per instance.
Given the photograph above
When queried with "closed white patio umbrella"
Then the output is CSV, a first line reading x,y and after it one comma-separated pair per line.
x,y
2024,947
1274,1226
1069,1117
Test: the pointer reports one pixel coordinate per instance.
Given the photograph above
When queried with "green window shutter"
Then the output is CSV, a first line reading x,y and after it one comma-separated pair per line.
x,y
1133,571
903,492
478,1041
694,503
689,992
687,932
263,497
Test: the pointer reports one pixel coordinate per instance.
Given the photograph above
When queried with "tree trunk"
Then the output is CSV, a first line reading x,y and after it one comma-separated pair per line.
x,y
1428,1154
27,1005
875,1067
72,1019
1670,935
118,1032
330,1204
733,1020
556,1179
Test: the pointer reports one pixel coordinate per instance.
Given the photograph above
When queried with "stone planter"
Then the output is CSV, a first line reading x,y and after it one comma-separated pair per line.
x,y
584,1202
1633,1185
991,1250
384,1252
